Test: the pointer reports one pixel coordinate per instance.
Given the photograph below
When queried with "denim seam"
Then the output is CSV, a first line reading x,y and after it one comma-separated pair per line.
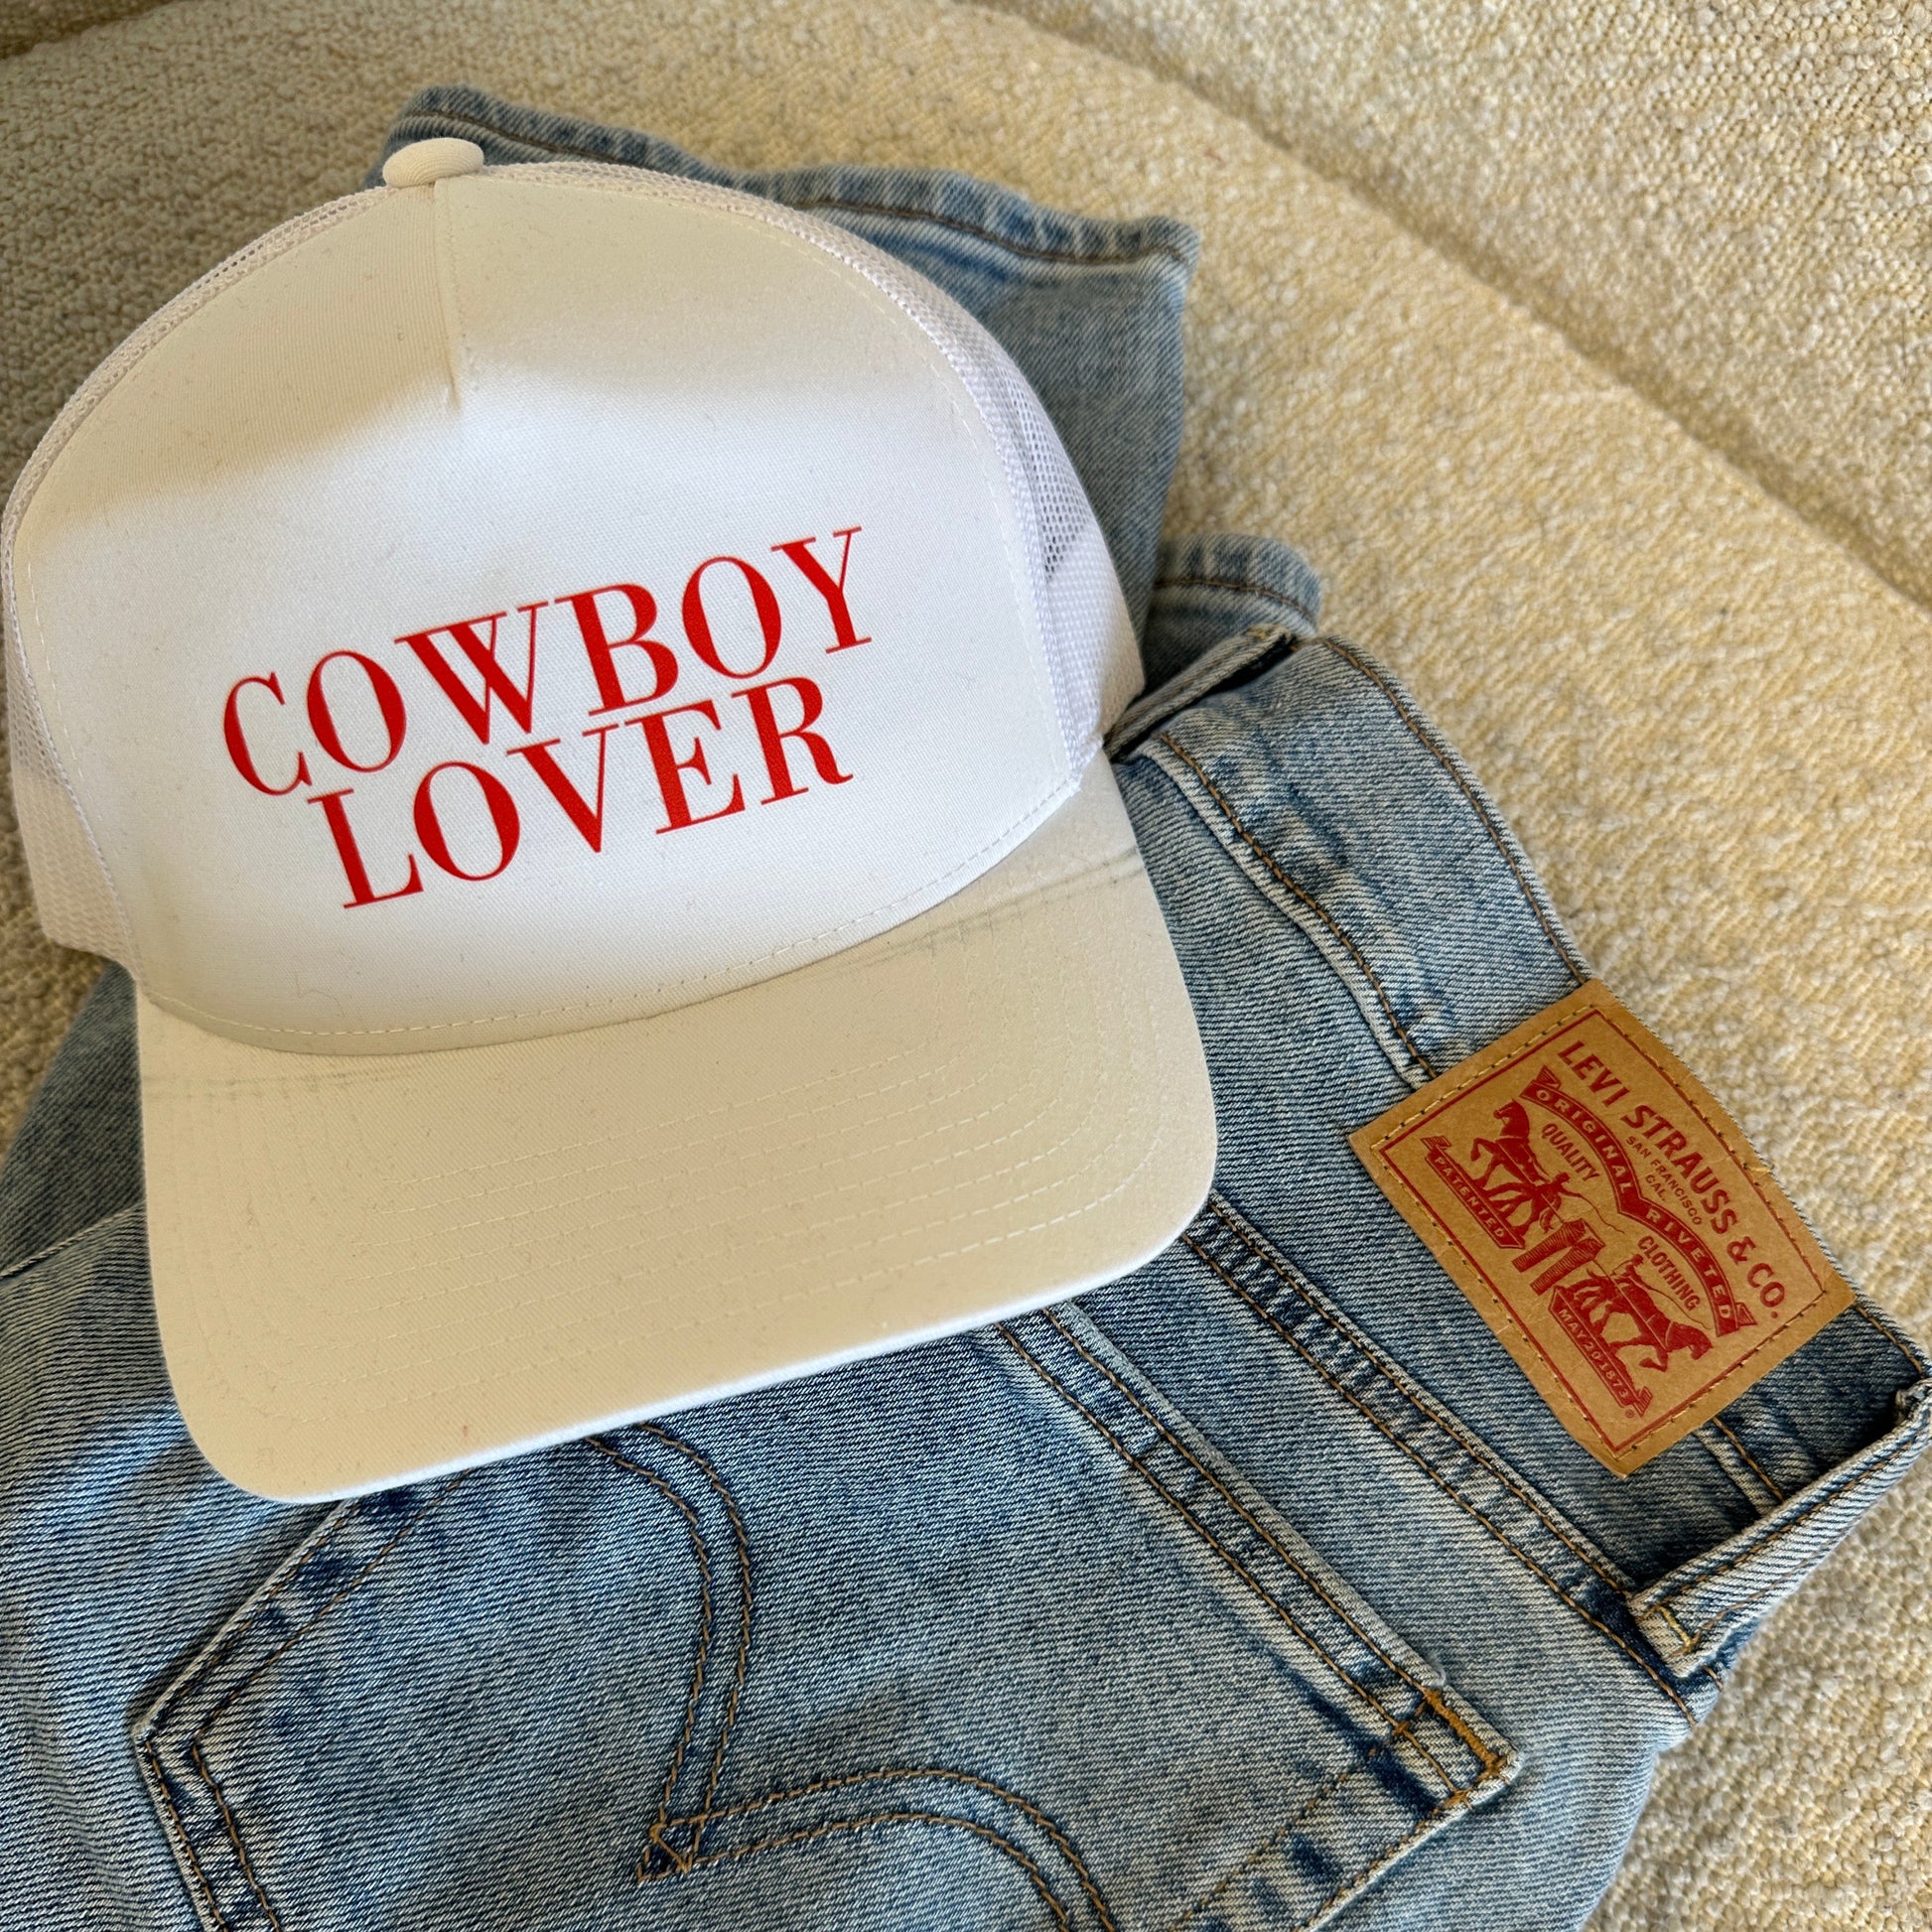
x,y
202,1725
1457,1802
1457,1794
1914,1362
832,201
234,1831
1472,1445
355,1582
694,1692
1682,1634
1441,1482
1240,656
1731,1614
1350,655
1072,256
1426,1693
177,1828
827,1828
687,1859
1442,1095
222,1651
1750,1462
1759,1544
1823,1500
1275,1837
53,1248
296,1572
1221,1551
1326,1790
907,1774
321,1538
1313,905
741,1664
1240,583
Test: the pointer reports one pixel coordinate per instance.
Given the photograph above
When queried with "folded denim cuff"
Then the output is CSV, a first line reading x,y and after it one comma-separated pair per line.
x,y
1206,588
507,133
1695,1613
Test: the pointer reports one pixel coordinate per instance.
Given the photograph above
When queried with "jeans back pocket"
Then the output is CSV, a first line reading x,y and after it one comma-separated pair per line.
x,y
982,1635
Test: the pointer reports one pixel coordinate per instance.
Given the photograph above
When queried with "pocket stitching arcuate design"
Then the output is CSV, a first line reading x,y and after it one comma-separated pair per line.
x,y
1440,1757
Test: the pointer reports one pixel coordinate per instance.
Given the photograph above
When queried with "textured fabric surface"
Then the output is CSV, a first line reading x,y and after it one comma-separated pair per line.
x,y
27,23
1701,710
1729,206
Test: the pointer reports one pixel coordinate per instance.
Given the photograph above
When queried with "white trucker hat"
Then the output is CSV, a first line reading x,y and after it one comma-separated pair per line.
x,y
577,696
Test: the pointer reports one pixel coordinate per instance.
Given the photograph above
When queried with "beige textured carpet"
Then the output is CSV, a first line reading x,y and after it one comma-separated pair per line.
x,y
1690,664
27,23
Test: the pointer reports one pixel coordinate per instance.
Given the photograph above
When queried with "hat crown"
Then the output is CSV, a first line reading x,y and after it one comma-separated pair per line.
x,y
544,597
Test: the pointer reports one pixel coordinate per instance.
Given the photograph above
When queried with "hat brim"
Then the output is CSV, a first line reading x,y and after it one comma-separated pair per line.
x,y
372,1268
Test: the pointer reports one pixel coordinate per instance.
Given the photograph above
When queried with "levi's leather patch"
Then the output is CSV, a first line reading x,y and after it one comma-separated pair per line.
x,y
1610,1222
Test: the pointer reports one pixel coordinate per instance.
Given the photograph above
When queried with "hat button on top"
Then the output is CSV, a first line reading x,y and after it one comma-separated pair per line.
x,y
423,162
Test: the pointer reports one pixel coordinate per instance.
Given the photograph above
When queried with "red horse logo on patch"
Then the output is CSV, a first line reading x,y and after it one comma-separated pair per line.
x,y
1607,1315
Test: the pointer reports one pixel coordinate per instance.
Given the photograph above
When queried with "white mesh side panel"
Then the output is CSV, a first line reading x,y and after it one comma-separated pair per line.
x,y
1092,656
1092,636
1091,646
72,895
74,891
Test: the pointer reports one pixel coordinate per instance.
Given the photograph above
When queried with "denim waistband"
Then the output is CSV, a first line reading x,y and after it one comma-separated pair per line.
x,y
1384,897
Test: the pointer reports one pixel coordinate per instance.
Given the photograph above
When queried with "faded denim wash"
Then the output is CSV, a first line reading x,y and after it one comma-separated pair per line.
x,y
1257,1589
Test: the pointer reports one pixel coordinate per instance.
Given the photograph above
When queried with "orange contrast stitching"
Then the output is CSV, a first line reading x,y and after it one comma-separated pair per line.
x,y
1362,1879
694,1694
1436,1477
830,1827
1763,1543
1227,1555
1692,1638
1321,912
1489,1760
1502,1473
177,1830
1884,1333
234,1831
1456,1795
1682,1635
1281,1831
1441,1096
1425,1691
742,1663
202,1729
838,1780
1750,1462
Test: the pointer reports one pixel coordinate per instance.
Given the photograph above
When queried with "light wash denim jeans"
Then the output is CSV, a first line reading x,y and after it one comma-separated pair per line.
x,y
1257,1589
